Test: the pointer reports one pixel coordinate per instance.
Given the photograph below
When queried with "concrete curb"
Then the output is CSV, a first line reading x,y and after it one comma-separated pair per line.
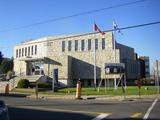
x,y
99,97
93,97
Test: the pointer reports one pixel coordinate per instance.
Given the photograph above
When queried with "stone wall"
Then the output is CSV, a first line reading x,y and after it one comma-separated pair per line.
x,y
72,64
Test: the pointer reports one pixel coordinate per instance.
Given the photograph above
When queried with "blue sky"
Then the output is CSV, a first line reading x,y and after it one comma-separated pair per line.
x,y
16,13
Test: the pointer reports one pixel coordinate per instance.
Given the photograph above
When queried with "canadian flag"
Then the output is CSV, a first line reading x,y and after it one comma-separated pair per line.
x,y
96,29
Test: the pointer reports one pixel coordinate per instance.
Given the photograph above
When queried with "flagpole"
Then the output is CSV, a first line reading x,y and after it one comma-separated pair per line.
x,y
114,40
94,52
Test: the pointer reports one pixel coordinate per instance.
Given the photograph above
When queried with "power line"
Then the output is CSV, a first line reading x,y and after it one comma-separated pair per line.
x,y
135,26
123,28
74,15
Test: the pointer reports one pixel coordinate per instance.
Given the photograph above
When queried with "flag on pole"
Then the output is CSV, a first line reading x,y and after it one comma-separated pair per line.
x,y
116,28
96,29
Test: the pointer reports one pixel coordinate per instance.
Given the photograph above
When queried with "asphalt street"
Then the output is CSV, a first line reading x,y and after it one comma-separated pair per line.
x,y
21,108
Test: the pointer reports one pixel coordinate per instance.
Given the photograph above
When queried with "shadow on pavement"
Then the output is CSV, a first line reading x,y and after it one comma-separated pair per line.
x,y
34,114
14,95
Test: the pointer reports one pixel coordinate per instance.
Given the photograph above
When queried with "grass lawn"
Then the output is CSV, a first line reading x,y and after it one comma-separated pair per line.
x,y
130,90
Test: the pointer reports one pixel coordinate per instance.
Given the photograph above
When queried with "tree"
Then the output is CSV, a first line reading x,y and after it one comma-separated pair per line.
x,y
6,65
1,57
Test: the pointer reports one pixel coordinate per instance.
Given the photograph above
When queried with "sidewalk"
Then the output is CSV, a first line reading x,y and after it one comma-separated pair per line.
x,y
97,97
84,97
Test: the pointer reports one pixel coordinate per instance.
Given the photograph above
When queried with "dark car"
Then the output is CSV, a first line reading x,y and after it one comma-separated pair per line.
x,y
3,111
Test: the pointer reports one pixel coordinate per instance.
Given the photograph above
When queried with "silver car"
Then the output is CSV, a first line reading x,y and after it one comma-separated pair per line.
x,y
3,111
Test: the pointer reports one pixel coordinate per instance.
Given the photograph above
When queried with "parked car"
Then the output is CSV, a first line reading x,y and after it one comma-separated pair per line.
x,y
3,111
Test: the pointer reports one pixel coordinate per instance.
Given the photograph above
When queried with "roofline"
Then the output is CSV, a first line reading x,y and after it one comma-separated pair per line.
x,y
58,38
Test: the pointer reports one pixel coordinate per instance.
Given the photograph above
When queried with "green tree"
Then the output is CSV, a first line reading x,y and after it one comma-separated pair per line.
x,y
6,65
1,57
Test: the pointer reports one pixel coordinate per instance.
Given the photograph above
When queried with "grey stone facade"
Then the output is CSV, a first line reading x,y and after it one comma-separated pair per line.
x,y
76,59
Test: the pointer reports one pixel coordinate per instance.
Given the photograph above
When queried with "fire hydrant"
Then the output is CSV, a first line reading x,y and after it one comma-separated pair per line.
x,y
78,90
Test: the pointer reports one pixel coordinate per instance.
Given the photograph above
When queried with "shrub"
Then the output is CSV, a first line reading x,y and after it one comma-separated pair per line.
x,y
23,83
44,85
9,75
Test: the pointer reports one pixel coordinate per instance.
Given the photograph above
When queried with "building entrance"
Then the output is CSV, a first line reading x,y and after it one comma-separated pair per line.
x,y
35,68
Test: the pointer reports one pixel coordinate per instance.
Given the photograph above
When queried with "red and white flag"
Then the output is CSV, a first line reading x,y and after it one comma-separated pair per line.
x,y
96,29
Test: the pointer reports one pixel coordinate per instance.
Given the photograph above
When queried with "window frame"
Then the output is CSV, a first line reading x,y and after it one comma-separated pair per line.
x,y
96,44
63,46
76,45
69,45
89,44
82,45
103,43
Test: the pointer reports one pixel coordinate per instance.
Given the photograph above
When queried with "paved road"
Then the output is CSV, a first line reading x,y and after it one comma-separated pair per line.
x,y
30,109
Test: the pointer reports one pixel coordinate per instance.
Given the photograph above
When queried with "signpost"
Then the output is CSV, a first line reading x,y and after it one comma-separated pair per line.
x,y
113,69
139,84
55,80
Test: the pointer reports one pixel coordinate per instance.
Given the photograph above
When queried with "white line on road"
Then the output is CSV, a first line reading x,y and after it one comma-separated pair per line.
x,y
100,117
149,110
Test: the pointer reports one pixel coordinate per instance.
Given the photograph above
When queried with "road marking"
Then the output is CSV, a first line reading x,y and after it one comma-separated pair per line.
x,y
101,116
136,115
149,110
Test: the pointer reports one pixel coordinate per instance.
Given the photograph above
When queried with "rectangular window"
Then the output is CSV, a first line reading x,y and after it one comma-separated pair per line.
x,y
82,45
35,52
96,44
76,45
32,50
28,51
69,45
89,44
63,46
22,52
103,43
25,51
17,53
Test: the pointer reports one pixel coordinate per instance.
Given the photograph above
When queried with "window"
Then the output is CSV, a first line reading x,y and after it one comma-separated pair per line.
x,y
17,53
32,51
103,43
69,45
22,52
63,46
89,44
25,51
35,52
28,51
82,45
96,44
76,45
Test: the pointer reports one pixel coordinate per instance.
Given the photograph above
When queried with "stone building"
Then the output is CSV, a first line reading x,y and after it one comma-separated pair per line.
x,y
73,56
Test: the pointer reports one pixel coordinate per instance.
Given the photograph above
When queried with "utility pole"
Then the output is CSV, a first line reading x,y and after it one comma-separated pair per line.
x,y
157,76
114,48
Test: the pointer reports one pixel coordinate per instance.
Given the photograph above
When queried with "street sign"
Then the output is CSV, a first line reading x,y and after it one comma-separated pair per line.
x,y
114,68
139,84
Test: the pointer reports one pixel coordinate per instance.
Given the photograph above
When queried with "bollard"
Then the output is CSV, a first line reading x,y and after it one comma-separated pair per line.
x,y
78,90
36,91
7,89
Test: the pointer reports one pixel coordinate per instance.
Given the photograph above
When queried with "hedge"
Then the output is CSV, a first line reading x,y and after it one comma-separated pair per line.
x,y
23,83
